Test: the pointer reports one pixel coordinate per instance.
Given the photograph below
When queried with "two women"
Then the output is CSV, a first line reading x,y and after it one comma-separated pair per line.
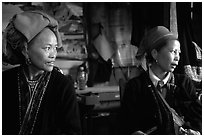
x,y
37,98
147,109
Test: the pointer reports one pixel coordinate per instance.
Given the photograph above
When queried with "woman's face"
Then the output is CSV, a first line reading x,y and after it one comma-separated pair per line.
x,y
42,51
168,57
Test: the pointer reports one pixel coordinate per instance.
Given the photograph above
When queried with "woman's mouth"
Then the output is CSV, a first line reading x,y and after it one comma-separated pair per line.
x,y
50,63
173,65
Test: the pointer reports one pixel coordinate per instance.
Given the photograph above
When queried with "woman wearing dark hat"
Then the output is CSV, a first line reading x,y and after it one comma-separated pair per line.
x,y
158,101
37,99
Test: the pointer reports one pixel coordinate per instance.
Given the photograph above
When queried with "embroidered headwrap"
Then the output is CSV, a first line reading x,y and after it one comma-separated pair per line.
x,y
22,29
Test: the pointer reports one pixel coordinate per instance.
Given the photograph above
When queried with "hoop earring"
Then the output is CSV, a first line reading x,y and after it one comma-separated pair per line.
x,y
28,62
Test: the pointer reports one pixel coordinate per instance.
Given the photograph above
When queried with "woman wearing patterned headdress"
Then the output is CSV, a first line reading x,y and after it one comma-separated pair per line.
x,y
37,98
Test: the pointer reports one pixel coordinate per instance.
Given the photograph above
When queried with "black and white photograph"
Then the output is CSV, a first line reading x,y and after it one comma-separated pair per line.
x,y
101,68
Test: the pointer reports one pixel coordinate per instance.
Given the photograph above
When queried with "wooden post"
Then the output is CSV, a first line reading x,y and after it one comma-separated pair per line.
x,y
173,18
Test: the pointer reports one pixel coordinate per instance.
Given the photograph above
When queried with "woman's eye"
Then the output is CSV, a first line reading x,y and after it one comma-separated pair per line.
x,y
56,47
175,51
47,48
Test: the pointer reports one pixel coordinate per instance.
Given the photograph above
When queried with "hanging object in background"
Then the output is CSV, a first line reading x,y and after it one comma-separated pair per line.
x,y
99,47
191,43
125,55
99,28
195,72
120,29
103,46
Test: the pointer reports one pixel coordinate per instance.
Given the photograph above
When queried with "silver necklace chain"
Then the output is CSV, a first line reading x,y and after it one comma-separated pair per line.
x,y
32,87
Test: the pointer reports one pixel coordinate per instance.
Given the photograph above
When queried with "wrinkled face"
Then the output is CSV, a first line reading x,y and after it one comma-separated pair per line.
x,y
42,50
168,57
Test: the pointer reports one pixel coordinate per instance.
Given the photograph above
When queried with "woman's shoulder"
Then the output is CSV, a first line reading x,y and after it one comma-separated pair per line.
x,y
10,71
180,78
140,78
58,76
139,81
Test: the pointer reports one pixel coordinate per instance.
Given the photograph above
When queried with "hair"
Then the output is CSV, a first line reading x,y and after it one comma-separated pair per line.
x,y
159,46
16,42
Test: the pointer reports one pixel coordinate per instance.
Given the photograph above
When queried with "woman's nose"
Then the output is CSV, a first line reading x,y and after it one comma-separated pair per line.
x,y
53,53
177,57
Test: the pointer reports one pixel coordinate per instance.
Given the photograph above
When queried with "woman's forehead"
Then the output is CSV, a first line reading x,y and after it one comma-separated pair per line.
x,y
45,36
173,44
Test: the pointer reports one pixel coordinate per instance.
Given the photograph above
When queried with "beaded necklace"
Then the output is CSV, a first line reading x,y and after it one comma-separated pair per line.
x,y
32,84
38,91
19,96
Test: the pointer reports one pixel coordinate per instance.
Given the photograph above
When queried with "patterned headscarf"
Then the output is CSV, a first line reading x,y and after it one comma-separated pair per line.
x,y
22,29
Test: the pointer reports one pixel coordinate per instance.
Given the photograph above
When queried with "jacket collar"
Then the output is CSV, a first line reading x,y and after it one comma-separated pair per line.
x,y
155,79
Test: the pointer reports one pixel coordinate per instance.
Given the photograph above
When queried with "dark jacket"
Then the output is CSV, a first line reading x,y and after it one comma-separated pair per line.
x,y
139,108
58,113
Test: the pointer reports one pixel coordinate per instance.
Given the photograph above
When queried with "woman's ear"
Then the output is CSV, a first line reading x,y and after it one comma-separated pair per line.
x,y
154,54
25,52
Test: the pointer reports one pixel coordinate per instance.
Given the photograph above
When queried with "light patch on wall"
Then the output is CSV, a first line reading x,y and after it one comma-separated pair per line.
x,y
8,11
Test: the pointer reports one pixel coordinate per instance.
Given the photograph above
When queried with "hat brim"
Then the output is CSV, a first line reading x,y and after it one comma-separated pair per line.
x,y
142,50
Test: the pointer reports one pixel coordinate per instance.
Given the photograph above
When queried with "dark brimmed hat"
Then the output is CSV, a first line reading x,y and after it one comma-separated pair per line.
x,y
153,38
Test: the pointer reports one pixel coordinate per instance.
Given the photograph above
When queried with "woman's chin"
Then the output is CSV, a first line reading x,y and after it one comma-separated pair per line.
x,y
171,70
48,69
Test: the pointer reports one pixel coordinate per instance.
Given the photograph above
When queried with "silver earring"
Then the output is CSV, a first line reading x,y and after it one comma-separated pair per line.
x,y
156,61
28,62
